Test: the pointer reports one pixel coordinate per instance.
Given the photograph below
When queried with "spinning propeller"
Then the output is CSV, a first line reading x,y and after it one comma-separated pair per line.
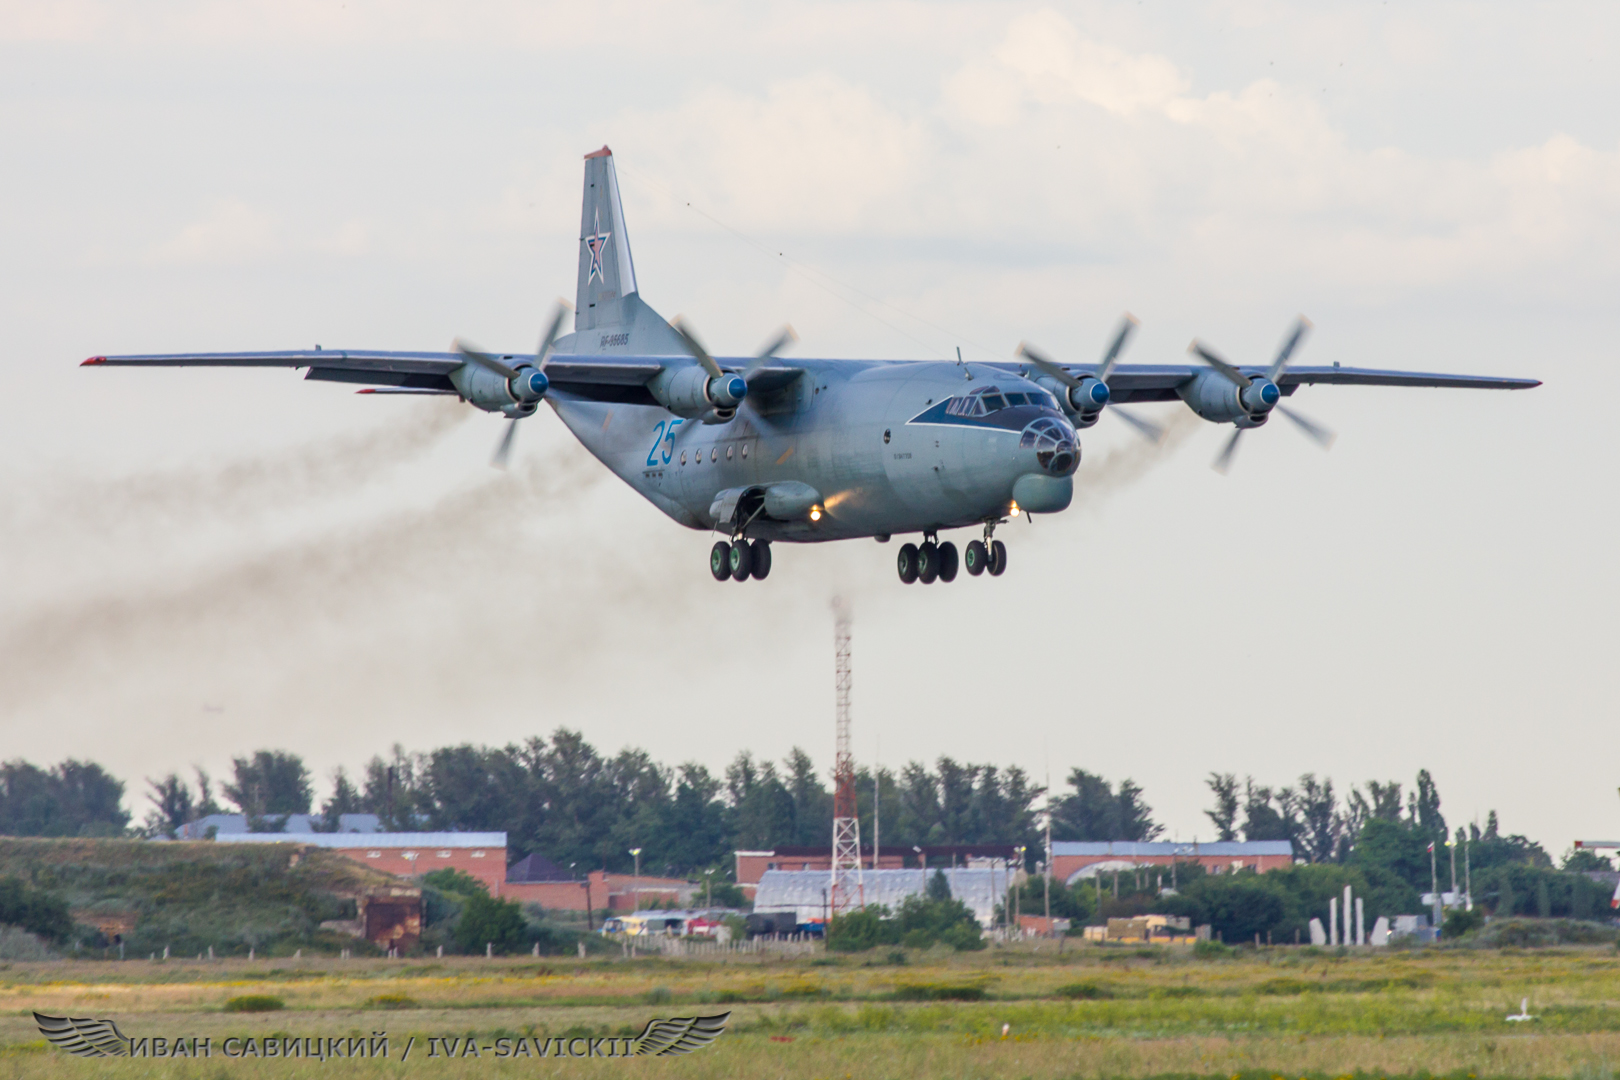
x,y
1090,393
1260,394
527,384
727,389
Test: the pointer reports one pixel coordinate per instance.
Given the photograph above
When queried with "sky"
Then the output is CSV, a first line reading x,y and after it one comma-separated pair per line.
x,y
195,564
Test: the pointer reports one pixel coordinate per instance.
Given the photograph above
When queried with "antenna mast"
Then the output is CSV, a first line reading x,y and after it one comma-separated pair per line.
x,y
847,892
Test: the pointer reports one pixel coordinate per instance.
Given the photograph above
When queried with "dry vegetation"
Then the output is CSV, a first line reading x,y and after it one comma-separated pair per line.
x,y
1088,1012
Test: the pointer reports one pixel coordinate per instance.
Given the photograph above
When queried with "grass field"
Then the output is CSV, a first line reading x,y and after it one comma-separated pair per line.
x,y
1090,1011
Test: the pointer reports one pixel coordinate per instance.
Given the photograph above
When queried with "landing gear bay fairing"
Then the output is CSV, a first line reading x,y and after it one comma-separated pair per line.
x,y
760,449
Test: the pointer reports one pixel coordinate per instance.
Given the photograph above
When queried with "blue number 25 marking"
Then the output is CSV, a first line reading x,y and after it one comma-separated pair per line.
x,y
663,436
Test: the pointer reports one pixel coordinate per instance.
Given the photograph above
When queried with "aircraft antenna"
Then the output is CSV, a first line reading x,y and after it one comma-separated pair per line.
x,y
847,892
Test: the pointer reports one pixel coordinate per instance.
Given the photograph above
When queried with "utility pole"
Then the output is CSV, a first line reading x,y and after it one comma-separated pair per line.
x,y
846,892
877,801
1468,880
1434,884
1452,844
1047,870
635,898
708,887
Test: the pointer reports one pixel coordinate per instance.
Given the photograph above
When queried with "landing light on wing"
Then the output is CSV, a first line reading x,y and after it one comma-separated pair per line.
x,y
815,513
1013,510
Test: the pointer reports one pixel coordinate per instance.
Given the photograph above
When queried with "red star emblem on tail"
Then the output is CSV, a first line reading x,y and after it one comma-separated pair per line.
x,y
596,242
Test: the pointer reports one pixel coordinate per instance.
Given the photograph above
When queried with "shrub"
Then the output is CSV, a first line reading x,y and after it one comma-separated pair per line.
x,y
34,910
1459,922
455,881
933,992
392,1001
255,1003
1213,950
487,921
1085,991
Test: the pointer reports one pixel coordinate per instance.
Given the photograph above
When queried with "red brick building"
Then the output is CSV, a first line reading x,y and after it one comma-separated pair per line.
x,y
483,855
1073,861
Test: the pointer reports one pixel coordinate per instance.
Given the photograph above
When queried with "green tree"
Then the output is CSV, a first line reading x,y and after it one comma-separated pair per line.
x,y
1224,816
345,799
171,805
488,921
75,798
34,910
1095,811
455,881
271,783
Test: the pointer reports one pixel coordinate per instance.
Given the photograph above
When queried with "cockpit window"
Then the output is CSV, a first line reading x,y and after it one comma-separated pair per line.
x,y
983,400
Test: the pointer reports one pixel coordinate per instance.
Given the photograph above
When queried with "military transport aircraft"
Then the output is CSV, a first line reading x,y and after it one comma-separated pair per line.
x,y
761,449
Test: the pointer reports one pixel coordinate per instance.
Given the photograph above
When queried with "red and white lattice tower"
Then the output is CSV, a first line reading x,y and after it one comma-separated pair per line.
x,y
846,892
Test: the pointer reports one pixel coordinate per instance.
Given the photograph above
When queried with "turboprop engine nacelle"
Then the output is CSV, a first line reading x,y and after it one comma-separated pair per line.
x,y
690,391
1083,403
490,391
1219,400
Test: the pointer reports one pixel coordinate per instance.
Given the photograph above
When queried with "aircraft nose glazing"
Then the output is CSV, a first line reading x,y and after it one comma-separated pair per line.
x,y
1055,445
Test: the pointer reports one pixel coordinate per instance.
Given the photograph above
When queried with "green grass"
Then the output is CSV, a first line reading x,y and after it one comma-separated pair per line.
x,y
1016,1012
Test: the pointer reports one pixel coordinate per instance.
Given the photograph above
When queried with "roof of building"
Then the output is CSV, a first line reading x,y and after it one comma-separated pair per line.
x,y
532,869
225,824
813,851
806,890
1124,849
371,840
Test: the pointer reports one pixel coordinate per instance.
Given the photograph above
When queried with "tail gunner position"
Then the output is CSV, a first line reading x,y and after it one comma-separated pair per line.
x,y
760,449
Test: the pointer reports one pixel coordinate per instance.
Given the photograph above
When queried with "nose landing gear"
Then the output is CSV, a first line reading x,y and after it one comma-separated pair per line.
x,y
987,554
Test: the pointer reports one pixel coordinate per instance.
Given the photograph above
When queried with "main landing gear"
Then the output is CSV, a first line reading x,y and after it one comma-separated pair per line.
x,y
740,560
933,561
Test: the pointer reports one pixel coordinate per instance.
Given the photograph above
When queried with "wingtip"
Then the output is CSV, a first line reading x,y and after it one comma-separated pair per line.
x,y
604,152
93,361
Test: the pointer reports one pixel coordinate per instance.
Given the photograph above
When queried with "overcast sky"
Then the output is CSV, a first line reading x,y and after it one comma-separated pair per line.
x,y
196,564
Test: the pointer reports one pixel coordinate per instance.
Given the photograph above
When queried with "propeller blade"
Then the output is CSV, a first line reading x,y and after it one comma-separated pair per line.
x,y
1126,326
1046,364
1279,365
1150,431
484,359
1322,436
1223,463
549,338
781,341
1214,361
695,347
503,449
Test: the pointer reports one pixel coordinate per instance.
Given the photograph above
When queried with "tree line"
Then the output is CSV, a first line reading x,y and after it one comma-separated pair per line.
x,y
563,798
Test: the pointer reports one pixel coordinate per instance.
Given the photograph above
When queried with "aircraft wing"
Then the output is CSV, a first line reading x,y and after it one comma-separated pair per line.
x,y
1158,382
604,378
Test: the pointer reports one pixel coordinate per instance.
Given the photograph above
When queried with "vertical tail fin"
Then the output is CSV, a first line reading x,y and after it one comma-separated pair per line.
x,y
606,274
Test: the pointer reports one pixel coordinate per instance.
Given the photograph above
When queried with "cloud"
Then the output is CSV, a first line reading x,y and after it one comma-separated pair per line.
x,y
230,233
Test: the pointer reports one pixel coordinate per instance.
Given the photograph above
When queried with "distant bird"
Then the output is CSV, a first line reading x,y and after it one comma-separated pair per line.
x,y
1005,1028
1524,1011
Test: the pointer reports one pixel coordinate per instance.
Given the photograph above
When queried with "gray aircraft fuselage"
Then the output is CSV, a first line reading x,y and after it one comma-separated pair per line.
x,y
850,432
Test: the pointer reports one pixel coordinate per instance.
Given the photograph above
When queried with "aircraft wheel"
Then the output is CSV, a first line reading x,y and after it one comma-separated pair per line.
x,y
720,560
906,563
948,562
928,562
762,559
998,558
975,557
742,560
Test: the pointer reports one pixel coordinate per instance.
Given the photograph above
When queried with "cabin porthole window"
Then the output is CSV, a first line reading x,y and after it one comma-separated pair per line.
x,y
745,451
729,449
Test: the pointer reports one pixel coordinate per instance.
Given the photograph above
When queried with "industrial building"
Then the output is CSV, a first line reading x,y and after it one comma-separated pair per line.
x,y
804,892
753,865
